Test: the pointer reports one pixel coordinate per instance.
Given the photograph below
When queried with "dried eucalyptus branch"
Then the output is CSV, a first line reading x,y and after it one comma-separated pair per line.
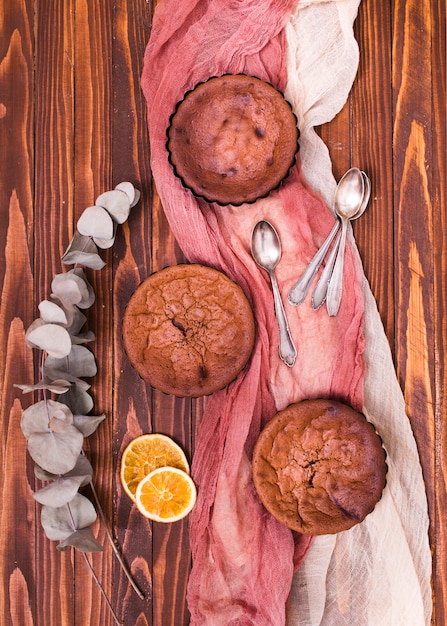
x,y
55,428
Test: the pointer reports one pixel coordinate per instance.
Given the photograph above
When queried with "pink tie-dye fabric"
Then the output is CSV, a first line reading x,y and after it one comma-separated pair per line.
x,y
243,560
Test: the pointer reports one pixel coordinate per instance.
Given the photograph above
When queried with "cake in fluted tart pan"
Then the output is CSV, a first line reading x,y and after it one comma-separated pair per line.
x,y
232,139
188,330
319,467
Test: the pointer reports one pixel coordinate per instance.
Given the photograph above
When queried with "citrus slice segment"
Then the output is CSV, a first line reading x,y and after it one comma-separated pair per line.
x,y
144,454
166,495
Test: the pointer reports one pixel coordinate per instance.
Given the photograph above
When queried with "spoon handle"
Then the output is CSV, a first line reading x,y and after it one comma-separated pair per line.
x,y
335,286
299,291
287,350
320,291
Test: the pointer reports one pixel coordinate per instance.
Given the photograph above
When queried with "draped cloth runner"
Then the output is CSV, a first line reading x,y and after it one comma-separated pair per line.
x,y
249,570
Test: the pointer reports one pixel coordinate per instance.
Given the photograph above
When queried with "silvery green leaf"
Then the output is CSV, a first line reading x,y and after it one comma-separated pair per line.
x,y
36,418
132,193
83,250
55,387
87,424
89,298
95,222
51,338
60,491
73,380
76,322
33,326
56,452
86,337
104,244
51,312
61,419
82,540
82,467
80,362
116,203
93,261
78,400
69,288
61,522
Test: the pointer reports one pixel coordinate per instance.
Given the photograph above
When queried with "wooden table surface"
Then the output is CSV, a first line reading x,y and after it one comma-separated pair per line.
x,y
73,125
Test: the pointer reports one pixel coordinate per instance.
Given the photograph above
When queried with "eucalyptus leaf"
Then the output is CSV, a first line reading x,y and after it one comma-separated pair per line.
x,y
83,250
87,424
116,203
70,312
69,289
36,418
87,301
78,400
52,338
73,289
82,540
82,243
80,362
82,467
60,491
132,193
93,261
95,221
51,312
73,380
56,452
105,243
61,522
61,419
76,322
55,387
86,337
33,326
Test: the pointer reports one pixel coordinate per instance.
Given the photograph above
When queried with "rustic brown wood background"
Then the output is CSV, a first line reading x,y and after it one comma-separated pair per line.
x,y
72,124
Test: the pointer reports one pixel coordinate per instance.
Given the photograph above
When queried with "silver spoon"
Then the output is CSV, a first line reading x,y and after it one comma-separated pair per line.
x,y
320,292
335,287
299,291
266,251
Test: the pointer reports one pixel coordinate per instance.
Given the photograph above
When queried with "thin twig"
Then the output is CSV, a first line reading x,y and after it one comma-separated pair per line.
x,y
96,579
112,543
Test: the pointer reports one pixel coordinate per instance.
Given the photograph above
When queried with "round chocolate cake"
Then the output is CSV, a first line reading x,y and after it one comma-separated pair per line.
x,y
232,139
188,330
319,467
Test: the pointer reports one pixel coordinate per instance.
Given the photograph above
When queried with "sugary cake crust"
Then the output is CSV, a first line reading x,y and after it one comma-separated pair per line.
x,y
319,467
188,330
233,139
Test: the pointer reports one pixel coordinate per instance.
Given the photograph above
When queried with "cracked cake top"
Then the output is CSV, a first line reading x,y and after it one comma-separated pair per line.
x,y
188,330
319,467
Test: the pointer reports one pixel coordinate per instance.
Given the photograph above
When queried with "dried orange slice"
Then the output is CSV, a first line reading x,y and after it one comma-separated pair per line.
x,y
166,495
146,453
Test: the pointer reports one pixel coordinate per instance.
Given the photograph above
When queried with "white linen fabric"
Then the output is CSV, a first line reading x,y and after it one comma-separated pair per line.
x,y
378,573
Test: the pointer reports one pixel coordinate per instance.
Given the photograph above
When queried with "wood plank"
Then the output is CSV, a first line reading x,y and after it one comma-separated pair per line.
x,y
419,334
372,149
439,201
132,402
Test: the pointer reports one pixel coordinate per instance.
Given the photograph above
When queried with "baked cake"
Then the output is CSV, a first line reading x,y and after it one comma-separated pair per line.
x,y
188,330
319,467
232,139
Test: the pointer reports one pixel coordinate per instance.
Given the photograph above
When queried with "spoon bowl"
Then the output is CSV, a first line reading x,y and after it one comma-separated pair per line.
x,y
266,251
346,198
335,286
320,292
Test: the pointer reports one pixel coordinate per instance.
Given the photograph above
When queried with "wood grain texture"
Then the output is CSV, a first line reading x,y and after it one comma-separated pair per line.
x,y
72,125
